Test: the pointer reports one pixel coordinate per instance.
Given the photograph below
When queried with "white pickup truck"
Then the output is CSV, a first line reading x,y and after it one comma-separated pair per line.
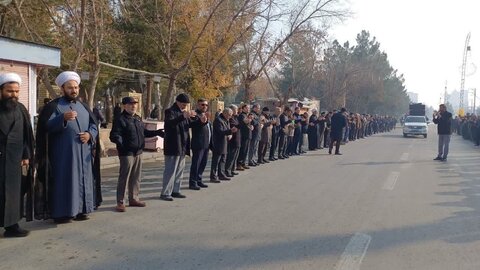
x,y
415,125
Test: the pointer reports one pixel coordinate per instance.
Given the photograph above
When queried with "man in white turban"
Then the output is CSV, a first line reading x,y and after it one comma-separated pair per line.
x,y
16,150
67,135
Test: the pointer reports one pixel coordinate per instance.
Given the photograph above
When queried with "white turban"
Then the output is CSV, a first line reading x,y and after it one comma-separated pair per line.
x,y
10,77
65,77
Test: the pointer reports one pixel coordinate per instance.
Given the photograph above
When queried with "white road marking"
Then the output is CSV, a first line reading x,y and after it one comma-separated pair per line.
x,y
391,181
404,157
354,253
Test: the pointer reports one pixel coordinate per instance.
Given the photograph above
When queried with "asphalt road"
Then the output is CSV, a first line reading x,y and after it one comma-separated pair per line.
x,y
384,204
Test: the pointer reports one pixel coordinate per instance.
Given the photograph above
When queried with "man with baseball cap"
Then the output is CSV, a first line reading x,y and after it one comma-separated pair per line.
x,y
128,133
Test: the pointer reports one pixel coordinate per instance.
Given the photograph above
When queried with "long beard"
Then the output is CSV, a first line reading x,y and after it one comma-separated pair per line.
x,y
9,104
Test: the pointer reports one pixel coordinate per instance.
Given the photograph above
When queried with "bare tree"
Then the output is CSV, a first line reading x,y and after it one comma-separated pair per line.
x,y
264,45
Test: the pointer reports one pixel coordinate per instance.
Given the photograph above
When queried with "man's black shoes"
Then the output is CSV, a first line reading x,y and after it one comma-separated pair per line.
x,y
202,185
178,195
438,158
166,198
15,231
192,187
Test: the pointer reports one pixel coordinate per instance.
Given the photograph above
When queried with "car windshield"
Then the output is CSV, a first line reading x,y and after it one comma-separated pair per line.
x,y
416,119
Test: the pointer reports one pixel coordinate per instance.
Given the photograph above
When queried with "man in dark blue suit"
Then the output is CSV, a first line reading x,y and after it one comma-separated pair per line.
x,y
200,144
338,123
221,134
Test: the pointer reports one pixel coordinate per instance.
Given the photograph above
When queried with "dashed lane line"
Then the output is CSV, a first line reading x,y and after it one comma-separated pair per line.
x,y
354,253
391,181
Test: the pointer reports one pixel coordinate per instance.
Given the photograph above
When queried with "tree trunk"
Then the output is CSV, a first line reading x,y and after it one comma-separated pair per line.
x,y
248,91
46,81
93,85
148,103
170,91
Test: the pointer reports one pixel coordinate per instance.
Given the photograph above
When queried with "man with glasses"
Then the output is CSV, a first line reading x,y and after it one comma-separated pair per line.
x,y
201,140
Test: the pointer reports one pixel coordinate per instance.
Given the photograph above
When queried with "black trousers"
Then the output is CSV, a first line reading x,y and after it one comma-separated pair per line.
x,y
282,144
242,158
337,142
274,144
218,166
232,157
262,150
199,162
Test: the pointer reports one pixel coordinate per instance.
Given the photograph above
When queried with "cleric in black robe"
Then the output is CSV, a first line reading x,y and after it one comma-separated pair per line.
x,y
68,156
16,150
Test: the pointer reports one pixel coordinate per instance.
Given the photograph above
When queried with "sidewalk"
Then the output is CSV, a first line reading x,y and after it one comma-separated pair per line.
x,y
112,162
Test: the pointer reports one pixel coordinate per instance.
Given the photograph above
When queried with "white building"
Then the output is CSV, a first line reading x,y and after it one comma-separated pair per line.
x,y
413,97
25,58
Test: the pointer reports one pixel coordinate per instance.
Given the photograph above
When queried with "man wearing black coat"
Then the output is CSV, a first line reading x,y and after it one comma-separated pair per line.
x,y
313,131
222,133
233,144
338,123
322,126
443,119
16,150
282,143
245,120
275,120
201,141
128,133
176,146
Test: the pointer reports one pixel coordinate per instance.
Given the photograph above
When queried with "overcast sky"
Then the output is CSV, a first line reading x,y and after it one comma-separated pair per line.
x,y
424,40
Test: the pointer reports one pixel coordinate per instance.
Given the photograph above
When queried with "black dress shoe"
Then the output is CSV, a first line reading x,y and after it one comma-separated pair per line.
x,y
271,159
166,198
281,157
81,217
202,185
266,161
194,187
62,220
214,180
15,231
338,154
224,178
251,164
178,195
229,175
235,173
437,158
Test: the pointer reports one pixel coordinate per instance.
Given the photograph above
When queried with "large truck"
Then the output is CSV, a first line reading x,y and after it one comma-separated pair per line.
x,y
416,109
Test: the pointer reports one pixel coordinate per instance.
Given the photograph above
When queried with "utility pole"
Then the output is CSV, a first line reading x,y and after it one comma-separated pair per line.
x,y
445,94
474,100
464,68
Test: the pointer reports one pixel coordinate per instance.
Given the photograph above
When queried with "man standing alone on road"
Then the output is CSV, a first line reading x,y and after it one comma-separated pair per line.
x,y
338,123
443,119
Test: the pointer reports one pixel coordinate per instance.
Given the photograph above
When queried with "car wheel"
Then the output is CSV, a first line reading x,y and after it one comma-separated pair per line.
x,y
425,136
